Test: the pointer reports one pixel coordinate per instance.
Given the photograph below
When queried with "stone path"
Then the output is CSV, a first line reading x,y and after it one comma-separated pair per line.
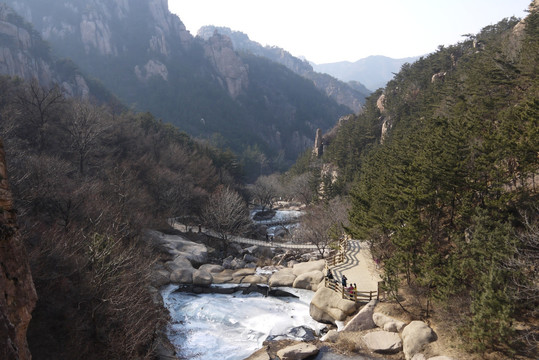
x,y
358,266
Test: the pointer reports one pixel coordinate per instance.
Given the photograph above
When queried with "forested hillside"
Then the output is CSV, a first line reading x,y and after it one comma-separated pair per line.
x,y
144,55
443,171
86,181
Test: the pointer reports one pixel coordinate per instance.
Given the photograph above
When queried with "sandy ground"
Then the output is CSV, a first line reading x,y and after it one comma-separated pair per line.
x,y
359,267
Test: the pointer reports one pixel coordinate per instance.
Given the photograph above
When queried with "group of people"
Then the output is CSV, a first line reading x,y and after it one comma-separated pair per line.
x,y
352,288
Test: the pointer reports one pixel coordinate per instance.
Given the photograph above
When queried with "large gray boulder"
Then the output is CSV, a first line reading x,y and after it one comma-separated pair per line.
x,y
181,270
363,319
305,267
212,268
309,281
297,352
202,277
388,323
196,253
222,277
415,336
283,277
327,306
383,342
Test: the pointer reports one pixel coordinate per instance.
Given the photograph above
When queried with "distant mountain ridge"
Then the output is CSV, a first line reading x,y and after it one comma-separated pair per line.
x,y
343,93
144,54
374,71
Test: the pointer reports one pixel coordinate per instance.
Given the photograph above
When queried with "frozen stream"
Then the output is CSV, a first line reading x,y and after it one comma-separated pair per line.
x,y
229,327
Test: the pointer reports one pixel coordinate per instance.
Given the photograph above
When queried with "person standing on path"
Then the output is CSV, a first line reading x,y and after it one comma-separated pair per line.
x,y
344,279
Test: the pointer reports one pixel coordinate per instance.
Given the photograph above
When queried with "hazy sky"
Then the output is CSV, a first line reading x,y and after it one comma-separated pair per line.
x,y
337,30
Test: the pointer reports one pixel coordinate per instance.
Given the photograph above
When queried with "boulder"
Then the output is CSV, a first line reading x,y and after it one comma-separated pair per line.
x,y
181,270
202,277
419,356
253,279
309,280
237,264
297,352
363,319
212,268
196,253
328,306
180,262
415,336
283,277
309,266
182,276
248,258
227,262
223,277
440,358
383,342
388,323
244,272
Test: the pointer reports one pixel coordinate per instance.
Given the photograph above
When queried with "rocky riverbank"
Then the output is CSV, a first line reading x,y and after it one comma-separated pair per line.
x,y
203,266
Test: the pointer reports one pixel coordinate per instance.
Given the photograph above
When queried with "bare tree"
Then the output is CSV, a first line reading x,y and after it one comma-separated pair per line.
x,y
38,106
226,212
324,224
84,127
301,188
265,190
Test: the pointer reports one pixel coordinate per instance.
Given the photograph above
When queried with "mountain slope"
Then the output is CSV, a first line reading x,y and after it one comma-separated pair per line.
x,y
443,171
144,54
344,94
373,71
23,53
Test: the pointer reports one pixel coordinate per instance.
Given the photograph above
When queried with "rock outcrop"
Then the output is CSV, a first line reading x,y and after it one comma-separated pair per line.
x,y
22,54
327,306
297,352
383,342
363,320
226,62
18,294
415,336
387,323
352,97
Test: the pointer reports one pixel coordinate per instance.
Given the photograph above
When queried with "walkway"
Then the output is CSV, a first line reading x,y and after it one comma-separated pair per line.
x,y
243,240
358,266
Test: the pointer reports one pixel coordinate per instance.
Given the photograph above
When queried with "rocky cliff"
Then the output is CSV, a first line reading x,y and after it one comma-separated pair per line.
x,y
145,56
18,294
24,54
351,96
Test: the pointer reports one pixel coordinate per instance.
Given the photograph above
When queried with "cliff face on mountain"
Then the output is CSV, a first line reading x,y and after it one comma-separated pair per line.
x,y
351,96
18,294
145,56
23,53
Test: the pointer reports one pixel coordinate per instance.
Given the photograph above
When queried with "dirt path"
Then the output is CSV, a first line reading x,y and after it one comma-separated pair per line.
x,y
359,267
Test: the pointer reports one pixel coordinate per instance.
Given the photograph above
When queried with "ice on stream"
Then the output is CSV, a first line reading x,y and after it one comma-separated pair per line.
x,y
229,327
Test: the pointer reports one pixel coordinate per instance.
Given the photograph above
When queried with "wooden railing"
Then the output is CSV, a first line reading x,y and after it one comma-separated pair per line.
x,y
353,295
